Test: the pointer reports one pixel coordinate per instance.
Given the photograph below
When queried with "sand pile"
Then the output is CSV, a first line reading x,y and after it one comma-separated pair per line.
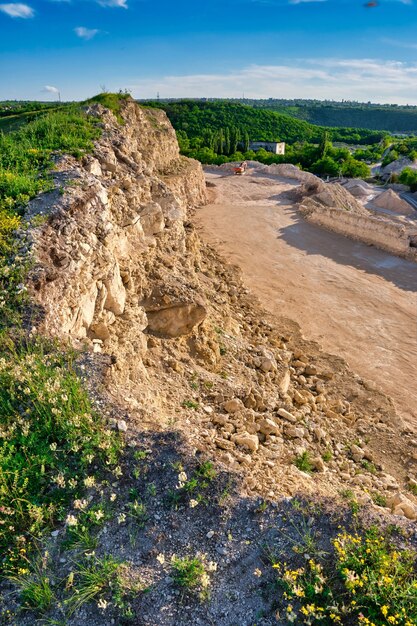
x,y
392,202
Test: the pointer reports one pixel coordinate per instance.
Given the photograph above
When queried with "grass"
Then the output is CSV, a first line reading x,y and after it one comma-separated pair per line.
x,y
190,404
191,489
112,101
50,441
188,572
100,580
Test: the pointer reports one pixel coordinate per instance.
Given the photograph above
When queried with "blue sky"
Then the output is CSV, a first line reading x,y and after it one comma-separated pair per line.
x,y
210,48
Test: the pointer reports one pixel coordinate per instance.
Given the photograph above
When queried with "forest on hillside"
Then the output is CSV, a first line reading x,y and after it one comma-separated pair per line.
x,y
389,117
199,118
218,132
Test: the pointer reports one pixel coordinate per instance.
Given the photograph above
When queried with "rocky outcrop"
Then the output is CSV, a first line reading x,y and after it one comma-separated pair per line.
x,y
99,252
334,208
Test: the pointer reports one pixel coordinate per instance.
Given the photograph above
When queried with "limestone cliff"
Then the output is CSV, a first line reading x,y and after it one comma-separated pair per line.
x,y
119,270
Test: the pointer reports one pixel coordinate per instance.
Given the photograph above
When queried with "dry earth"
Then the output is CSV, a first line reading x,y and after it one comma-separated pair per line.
x,y
355,300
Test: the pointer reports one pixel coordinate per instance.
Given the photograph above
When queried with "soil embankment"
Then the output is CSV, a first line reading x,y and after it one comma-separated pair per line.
x,y
355,300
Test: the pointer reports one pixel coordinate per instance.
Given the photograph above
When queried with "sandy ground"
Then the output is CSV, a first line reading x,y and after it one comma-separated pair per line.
x,y
355,300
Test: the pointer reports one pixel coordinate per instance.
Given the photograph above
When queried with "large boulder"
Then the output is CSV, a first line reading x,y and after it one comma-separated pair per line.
x,y
176,319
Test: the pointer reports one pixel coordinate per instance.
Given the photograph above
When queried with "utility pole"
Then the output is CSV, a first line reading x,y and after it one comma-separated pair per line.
x,y
157,96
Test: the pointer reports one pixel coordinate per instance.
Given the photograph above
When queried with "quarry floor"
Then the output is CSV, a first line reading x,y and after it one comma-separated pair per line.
x,y
354,300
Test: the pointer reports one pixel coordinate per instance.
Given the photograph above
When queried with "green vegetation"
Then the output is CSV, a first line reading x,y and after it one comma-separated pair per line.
x,y
99,580
25,155
112,101
366,580
353,115
303,462
50,442
189,572
409,177
192,489
218,132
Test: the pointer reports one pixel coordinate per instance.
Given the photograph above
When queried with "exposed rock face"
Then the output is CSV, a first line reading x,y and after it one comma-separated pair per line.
x,y
125,208
120,269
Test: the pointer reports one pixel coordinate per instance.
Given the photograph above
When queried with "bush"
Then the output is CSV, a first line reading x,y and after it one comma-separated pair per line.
x,y
409,177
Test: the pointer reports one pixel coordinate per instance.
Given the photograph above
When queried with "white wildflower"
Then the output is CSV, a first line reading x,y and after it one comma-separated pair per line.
x,y
71,520
90,481
99,514
161,558
121,518
113,497
80,504
193,503
53,447
102,604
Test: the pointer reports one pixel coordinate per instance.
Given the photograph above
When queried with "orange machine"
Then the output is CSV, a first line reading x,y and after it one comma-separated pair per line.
x,y
241,169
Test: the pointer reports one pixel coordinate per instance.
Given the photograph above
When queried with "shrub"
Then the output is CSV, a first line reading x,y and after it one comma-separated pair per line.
x,y
367,581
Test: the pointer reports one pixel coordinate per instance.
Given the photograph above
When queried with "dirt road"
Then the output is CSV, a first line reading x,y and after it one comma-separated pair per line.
x,y
355,300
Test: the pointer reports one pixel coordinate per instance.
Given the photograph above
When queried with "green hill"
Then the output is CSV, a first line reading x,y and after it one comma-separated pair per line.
x,y
389,117
198,119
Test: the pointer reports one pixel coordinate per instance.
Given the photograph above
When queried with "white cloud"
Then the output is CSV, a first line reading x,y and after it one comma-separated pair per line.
x,y
17,10
337,79
50,89
122,4
85,33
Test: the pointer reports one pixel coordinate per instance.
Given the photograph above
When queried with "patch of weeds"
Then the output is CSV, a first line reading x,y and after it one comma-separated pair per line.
x,y
350,497
100,580
191,488
112,101
80,537
369,467
327,455
222,349
190,404
219,330
413,489
303,462
34,585
226,493
50,439
379,499
263,506
140,468
190,573
151,490
208,384
137,511
366,581
224,375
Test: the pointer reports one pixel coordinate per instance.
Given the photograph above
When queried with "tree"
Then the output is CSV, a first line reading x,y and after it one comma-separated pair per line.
x,y
355,169
325,167
325,144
